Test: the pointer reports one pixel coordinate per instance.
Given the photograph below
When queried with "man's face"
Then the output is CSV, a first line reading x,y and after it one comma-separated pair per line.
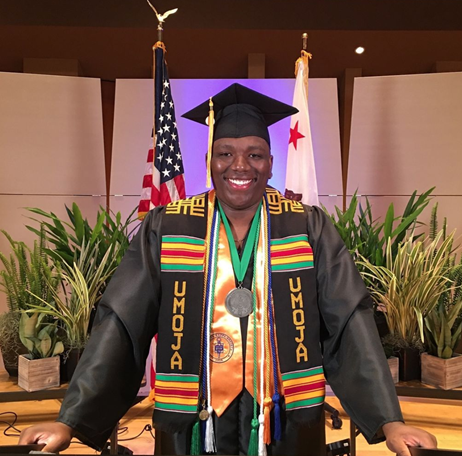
x,y
240,169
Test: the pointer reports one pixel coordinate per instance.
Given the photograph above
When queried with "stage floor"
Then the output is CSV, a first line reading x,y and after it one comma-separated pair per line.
x,y
442,418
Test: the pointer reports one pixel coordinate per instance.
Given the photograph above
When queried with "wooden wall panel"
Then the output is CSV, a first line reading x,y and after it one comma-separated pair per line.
x,y
124,204
330,201
51,136
406,134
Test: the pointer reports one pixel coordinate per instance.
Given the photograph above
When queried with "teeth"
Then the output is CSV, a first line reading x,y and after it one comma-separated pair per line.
x,y
240,182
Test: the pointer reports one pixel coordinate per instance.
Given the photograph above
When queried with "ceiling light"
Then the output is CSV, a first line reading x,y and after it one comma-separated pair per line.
x,y
359,50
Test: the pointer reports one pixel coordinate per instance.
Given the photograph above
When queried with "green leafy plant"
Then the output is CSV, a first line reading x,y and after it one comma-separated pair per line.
x,y
410,284
29,276
72,240
443,325
366,237
83,282
441,330
39,336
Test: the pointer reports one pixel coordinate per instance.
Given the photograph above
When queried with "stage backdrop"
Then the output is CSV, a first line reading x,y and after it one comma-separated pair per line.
x,y
51,146
133,124
406,135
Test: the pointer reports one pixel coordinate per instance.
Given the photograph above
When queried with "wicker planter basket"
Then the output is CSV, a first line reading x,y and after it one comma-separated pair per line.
x,y
443,373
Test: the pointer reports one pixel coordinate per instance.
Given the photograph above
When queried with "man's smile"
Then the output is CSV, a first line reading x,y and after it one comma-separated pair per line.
x,y
240,184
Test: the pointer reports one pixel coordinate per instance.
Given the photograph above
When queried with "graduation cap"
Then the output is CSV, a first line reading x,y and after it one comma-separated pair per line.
x,y
236,112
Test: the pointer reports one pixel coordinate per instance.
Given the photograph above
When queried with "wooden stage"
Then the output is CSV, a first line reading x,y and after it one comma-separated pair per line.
x,y
440,417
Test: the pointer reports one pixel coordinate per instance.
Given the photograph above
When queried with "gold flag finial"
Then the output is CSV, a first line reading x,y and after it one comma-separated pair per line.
x,y
305,41
161,19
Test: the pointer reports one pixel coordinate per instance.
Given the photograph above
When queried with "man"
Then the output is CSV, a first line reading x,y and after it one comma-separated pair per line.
x,y
253,297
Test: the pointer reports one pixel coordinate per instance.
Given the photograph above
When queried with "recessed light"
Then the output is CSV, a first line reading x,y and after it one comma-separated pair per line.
x,y
359,50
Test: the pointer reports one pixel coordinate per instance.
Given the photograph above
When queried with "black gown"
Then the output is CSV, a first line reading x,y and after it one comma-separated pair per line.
x,y
109,374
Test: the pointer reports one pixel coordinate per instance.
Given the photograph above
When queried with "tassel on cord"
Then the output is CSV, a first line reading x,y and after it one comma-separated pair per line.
x,y
261,435
210,122
267,408
277,417
277,409
209,433
196,439
253,443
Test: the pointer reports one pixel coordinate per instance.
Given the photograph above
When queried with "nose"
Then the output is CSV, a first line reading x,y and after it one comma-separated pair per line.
x,y
240,163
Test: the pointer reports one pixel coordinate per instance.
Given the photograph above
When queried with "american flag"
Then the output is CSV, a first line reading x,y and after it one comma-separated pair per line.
x,y
163,181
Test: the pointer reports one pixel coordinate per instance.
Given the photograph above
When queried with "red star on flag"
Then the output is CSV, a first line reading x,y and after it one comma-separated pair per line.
x,y
295,135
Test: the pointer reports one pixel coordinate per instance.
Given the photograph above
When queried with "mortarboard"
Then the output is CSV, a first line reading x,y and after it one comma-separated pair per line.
x,y
236,112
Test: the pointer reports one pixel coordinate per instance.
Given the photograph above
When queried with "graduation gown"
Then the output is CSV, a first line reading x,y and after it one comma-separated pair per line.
x,y
110,371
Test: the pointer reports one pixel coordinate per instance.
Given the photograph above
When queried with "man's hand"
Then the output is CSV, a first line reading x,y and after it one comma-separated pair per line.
x,y
56,436
399,437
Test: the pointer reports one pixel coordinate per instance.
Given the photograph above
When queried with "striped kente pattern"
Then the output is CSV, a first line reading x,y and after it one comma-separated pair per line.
x,y
182,254
305,388
177,393
291,254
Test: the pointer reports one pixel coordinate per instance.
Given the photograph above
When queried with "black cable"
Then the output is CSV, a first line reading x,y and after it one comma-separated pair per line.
x,y
148,427
10,425
121,430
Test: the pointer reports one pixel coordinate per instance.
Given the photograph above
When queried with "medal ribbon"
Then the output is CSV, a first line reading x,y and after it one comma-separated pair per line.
x,y
240,266
226,374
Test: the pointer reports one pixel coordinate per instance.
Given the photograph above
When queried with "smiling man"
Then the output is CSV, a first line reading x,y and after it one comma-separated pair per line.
x,y
256,302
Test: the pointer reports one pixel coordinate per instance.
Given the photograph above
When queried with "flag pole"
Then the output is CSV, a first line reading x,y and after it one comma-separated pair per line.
x,y
160,32
151,179
301,183
305,42
304,57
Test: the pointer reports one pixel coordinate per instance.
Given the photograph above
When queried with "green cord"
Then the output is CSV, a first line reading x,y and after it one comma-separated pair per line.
x,y
253,443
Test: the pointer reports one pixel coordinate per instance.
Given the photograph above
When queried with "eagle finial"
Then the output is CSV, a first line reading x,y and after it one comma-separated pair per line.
x,y
161,17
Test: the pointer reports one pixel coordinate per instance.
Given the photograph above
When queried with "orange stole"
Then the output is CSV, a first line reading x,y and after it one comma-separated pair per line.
x,y
226,339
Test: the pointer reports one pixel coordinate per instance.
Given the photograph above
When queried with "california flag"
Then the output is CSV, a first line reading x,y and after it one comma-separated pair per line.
x,y
301,182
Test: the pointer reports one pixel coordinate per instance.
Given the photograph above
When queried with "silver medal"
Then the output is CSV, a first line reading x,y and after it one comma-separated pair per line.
x,y
239,302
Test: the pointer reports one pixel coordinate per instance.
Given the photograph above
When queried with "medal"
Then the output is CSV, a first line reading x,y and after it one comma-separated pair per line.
x,y
239,302
204,415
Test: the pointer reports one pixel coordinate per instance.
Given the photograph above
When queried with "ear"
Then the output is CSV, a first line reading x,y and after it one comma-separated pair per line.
x,y
271,167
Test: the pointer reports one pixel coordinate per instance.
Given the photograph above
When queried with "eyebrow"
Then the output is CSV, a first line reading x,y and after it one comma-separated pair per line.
x,y
231,147
256,147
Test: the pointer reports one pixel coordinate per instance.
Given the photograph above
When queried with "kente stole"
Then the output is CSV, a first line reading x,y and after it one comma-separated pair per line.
x,y
185,236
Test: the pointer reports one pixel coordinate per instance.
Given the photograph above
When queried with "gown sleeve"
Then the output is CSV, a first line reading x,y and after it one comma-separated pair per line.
x,y
108,375
354,361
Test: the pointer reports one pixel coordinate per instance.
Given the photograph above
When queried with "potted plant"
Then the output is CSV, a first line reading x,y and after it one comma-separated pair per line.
x,y
28,275
83,252
367,237
407,288
83,282
40,368
10,343
441,366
